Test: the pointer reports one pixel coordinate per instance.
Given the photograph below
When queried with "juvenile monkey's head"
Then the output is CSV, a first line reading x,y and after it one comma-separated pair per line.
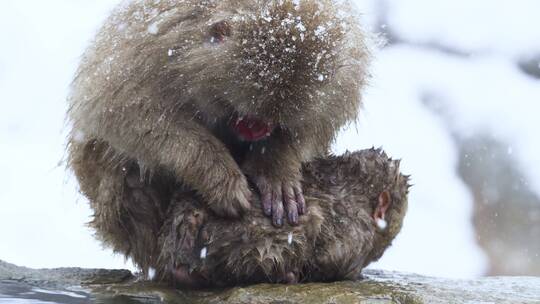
x,y
257,62
387,205
376,193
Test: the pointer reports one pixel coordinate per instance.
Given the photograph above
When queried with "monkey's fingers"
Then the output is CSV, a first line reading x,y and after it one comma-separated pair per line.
x,y
266,200
300,200
266,195
277,206
272,199
290,204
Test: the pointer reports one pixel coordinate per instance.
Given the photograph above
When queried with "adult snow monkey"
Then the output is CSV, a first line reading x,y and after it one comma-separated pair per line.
x,y
212,95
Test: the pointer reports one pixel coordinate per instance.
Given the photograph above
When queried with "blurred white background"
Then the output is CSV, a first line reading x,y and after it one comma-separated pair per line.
x,y
455,93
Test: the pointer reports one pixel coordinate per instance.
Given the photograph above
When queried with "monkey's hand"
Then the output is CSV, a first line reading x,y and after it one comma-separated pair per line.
x,y
280,189
231,196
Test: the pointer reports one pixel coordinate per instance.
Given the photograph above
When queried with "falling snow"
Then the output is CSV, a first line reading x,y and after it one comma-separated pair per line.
x,y
485,91
204,252
151,273
381,224
153,29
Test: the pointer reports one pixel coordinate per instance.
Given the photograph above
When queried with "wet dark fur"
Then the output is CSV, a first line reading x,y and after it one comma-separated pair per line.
x,y
335,241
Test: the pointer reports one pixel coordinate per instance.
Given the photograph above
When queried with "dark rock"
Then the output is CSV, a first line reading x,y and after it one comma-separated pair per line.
x,y
75,285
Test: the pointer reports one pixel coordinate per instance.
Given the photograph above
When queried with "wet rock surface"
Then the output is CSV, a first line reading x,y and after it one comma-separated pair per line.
x,y
75,285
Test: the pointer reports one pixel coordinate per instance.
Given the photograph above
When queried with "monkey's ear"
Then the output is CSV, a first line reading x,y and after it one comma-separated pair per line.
x,y
219,31
384,202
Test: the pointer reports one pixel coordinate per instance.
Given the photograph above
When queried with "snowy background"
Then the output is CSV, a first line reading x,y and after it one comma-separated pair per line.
x,y
454,75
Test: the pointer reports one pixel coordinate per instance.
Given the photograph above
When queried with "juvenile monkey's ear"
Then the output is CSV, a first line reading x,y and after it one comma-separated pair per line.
x,y
383,203
219,31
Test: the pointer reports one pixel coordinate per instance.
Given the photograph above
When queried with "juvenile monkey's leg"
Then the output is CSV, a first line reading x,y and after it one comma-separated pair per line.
x,y
180,241
191,234
178,142
128,211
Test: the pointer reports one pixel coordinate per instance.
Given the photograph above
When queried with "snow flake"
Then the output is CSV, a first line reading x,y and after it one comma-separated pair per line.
x,y
300,26
382,224
151,273
153,29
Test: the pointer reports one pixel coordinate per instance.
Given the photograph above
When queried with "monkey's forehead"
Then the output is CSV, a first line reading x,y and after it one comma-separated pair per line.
x,y
142,10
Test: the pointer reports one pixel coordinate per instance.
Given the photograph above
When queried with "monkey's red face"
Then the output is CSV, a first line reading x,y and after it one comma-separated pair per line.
x,y
250,128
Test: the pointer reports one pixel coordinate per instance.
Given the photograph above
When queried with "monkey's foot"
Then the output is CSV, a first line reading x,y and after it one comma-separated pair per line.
x,y
278,197
181,237
290,278
183,278
189,230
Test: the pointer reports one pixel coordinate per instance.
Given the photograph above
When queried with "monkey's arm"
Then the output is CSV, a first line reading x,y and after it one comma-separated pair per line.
x,y
175,141
274,166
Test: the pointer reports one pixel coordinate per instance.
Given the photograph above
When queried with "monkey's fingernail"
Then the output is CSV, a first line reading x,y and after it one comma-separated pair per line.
x,y
279,222
293,218
268,211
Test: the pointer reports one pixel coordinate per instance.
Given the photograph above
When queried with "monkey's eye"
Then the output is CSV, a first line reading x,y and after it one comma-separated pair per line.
x,y
219,31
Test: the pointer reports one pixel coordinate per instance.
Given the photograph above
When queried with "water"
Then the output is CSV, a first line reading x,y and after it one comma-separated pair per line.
x,y
13,292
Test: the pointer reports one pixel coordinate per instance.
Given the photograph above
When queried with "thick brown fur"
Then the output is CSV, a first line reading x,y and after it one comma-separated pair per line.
x,y
156,90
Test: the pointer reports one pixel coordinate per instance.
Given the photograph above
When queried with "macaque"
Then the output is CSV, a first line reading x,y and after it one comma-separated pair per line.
x,y
356,205
224,98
